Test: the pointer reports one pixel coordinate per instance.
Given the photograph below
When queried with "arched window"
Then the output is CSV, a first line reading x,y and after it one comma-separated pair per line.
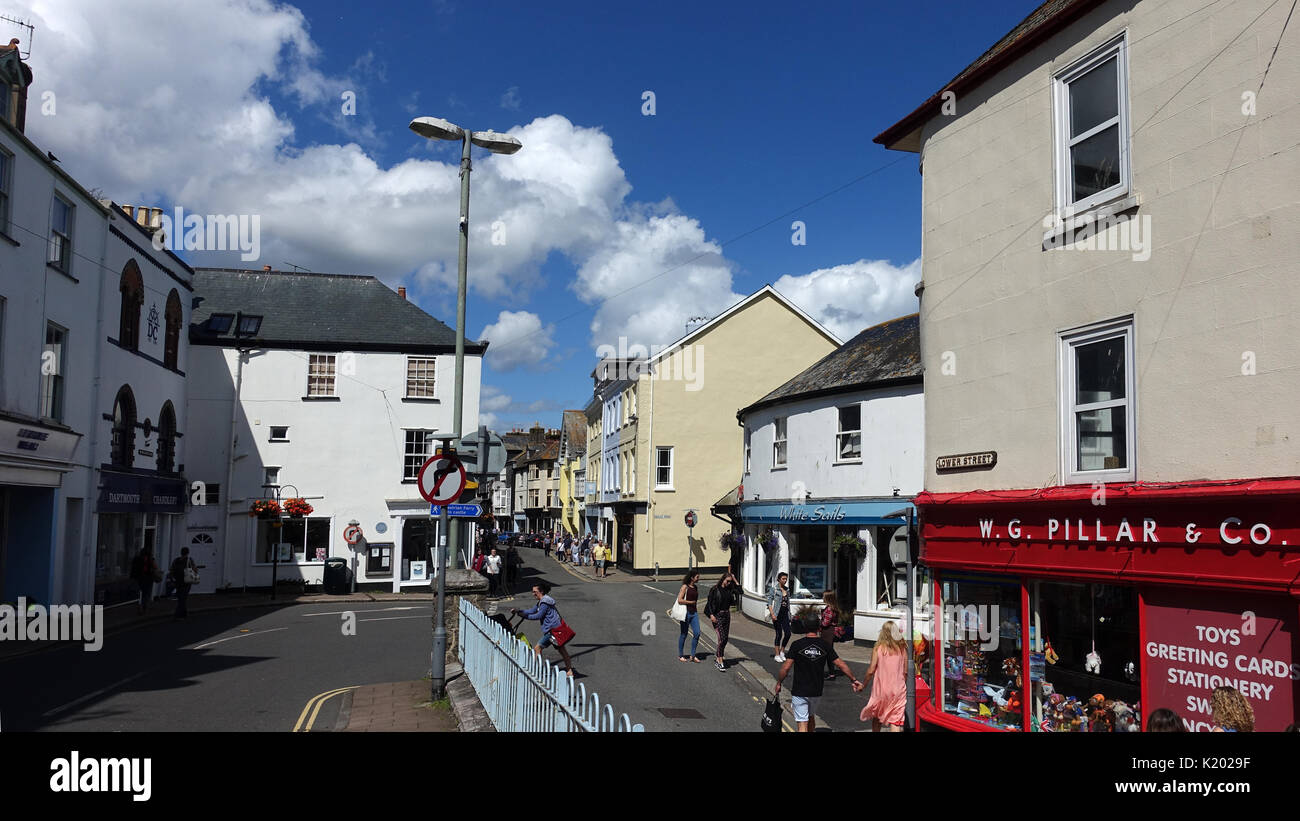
x,y
171,347
132,287
124,428
167,439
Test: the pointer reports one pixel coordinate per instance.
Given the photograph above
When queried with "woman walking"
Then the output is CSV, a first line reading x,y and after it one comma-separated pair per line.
x,y
689,595
721,599
550,618
831,615
778,608
887,674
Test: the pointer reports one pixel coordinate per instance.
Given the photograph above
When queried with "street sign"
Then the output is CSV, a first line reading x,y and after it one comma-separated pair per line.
x,y
464,511
690,518
467,449
441,480
352,535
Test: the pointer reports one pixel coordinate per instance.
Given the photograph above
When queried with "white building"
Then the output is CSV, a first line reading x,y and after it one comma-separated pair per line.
x,y
92,380
338,398
836,451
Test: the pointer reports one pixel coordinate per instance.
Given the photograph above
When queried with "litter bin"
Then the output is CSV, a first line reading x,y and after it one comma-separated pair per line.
x,y
338,578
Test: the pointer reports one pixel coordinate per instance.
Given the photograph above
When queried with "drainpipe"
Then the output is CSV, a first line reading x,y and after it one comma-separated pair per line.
x,y
649,485
230,466
92,468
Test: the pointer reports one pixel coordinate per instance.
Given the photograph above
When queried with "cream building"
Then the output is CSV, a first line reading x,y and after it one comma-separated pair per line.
x,y
668,433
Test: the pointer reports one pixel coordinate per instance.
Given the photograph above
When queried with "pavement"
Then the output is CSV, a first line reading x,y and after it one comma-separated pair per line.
x,y
401,707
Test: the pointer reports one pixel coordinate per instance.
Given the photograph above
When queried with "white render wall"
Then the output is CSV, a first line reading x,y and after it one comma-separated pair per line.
x,y
893,423
1220,284
344,456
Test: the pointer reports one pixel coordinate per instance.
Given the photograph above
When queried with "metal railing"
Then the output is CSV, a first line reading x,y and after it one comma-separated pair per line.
x,y
521,691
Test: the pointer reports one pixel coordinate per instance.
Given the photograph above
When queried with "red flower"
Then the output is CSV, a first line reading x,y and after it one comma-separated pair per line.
x,y
297,507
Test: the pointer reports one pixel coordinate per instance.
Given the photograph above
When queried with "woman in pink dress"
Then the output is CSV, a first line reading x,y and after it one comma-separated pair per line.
x,y
888,703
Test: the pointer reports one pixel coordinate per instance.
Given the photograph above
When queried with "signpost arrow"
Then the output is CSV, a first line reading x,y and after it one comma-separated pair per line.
x,y
463,511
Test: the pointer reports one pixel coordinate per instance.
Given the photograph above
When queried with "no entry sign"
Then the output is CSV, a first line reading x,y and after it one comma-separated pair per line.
x,y
352,534
442,480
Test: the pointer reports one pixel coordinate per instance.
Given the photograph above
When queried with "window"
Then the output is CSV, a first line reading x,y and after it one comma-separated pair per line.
x,y
6,186
279,433
982,650
211,493
131,287
747,434
848,442
320,375
535,498
167,439
301,540
416,453
420,373
271,478
172,340
664,468
60,255
778,443
52,382
1099,415
1092,138
123,445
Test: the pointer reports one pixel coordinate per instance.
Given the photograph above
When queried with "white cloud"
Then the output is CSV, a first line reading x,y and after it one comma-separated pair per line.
x,y
848,298
519,340
510,100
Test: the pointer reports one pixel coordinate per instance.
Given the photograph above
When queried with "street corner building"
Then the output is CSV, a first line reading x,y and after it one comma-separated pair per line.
x,y
1110,329
329,388
662,437
93,419
832,459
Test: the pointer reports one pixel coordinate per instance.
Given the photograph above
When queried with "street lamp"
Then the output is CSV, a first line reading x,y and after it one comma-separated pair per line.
x,y
434,128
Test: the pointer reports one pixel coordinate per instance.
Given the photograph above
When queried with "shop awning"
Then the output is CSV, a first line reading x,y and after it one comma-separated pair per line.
x,y
833,512
131,493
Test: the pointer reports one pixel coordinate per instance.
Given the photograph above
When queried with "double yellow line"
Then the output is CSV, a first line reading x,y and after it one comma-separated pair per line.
x,y
305,722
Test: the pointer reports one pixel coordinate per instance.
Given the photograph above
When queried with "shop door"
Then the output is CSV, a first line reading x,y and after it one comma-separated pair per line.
x,y
203,550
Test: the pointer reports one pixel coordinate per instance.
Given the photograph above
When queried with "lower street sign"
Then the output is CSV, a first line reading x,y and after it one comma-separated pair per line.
x,y
466,511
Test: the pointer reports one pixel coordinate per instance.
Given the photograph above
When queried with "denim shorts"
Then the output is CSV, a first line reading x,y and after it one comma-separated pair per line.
x,y
546,640
803,706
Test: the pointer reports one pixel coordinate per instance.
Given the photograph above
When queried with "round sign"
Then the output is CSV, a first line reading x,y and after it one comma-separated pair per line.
x,y
442,480
690,518
352,534
380,527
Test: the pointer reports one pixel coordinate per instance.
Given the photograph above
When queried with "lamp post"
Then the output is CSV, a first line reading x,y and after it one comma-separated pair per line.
x,y
276,490
434,128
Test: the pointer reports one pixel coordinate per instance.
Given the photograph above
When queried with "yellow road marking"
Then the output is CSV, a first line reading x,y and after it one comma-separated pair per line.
x,y
314,705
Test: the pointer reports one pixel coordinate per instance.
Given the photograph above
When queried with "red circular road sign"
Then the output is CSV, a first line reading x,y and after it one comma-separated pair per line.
x,y
442,480
690,518
352,534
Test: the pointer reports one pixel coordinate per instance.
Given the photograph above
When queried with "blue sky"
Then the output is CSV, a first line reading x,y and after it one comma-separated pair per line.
x,y
760,109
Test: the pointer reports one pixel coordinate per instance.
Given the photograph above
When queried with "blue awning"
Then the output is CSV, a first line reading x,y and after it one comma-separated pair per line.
x,y
835,512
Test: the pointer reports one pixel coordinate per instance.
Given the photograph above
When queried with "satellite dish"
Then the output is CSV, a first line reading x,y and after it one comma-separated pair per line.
x,y
898,549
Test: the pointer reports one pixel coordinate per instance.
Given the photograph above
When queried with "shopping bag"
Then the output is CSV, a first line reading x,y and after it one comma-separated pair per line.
x,y
771,721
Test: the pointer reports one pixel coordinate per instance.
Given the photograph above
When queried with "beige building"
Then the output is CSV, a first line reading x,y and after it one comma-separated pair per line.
x,y
664,439
1110,332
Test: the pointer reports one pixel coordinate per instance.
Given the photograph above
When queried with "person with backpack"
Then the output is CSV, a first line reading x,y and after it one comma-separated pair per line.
x,y
145,573
184,575
809,657
722,597
546,612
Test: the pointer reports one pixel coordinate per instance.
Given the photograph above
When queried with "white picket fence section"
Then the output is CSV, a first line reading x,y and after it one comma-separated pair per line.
x,y
521,691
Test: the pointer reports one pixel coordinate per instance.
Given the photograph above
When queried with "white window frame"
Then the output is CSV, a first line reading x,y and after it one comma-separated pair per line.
x,y
266,476
271,437
1066,376
408,453
6,189
57,382
840,434
748,453
1116,47
64,261
780,438
659,451
332,360
431,379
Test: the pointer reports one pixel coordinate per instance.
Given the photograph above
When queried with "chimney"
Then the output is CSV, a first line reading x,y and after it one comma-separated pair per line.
x,y
401,291
15,76
537,434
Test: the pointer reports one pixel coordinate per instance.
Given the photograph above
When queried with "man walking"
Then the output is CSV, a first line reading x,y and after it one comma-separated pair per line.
x,y
808,657
184,575
145,574
492,566
598,554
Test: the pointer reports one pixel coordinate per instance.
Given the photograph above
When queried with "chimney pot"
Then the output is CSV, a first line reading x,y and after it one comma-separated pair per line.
x,y
401,291
266,267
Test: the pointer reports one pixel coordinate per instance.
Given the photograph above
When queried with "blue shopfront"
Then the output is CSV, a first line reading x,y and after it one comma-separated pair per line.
x,y
839,545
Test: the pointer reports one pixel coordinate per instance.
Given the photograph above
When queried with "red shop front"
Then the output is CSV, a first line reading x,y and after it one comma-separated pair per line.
x,y
1083,608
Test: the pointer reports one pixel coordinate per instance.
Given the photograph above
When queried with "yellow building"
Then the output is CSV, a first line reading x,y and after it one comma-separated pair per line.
x,y
666,432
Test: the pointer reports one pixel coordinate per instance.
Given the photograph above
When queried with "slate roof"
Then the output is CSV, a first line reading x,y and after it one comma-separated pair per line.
x,y
575,426
1041,23
319,312
884,354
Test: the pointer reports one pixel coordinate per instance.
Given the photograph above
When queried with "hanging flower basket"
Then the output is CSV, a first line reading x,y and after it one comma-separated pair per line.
x,y
731,541
265,509
297,508
768,539
848,541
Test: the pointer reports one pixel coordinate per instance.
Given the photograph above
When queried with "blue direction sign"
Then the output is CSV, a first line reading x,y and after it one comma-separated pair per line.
x,y
466,511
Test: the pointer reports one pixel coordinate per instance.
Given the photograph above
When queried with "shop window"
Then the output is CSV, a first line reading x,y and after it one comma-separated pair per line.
x,y
295,540
1084,657
979,622
809,550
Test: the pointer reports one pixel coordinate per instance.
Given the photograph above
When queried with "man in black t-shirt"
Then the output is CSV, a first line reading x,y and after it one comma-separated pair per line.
x,y
808,657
